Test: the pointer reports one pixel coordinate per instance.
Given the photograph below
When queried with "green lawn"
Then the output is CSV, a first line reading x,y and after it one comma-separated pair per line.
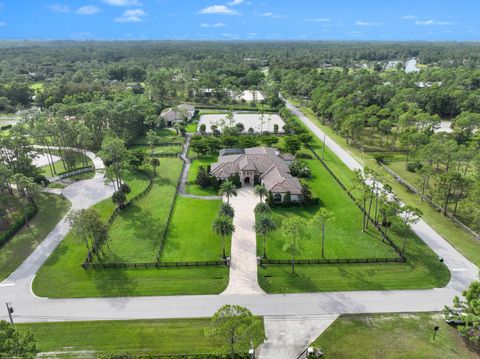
x,y
62,275
136,337
393,336
190,236
422,269
157,149
192,127
60,168
51,209
464,242
343,237
195,189
135,234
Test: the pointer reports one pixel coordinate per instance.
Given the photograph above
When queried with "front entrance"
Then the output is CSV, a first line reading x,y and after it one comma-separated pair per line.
x,y
246,180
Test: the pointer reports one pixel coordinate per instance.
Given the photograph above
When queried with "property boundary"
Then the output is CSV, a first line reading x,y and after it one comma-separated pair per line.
x,y
438,208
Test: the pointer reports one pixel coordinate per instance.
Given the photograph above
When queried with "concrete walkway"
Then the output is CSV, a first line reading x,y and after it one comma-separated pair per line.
x,y
289,336
243,264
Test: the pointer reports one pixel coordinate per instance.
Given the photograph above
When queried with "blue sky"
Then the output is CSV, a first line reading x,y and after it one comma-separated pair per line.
x,y
240,19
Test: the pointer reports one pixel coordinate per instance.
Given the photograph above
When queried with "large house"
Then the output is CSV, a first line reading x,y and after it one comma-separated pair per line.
x,y
181,113
264,165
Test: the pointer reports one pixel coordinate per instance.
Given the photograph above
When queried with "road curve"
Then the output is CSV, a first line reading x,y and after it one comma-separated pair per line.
x,y
29,308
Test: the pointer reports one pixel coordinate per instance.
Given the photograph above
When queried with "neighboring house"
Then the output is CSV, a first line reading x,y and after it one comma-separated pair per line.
x,y
264,165
180,113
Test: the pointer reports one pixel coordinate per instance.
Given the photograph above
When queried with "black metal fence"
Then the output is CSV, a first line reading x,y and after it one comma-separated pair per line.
x,y
122,265
266,261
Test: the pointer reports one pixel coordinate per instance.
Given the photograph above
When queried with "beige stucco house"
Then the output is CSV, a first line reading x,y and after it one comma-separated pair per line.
x,y
264,165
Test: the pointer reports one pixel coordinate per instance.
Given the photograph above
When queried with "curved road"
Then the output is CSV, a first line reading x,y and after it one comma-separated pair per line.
x,y
29,308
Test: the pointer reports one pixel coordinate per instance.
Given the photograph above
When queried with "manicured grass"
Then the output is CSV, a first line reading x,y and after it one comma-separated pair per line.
x,y
464,242
60,168
393,336
192,127
137,337
421,270
343,236
62,274
190,236
195,189
37,86
135,234
51,209
157,149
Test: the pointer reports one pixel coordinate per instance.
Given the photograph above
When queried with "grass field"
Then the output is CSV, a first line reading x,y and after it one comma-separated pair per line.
x,y
62,275
464,242
190,236
136,337
51,209
422,269
157,149
343,237
393,336
60,168
195,189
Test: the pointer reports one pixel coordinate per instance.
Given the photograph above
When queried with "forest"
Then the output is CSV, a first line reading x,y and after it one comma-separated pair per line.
x,y
78,93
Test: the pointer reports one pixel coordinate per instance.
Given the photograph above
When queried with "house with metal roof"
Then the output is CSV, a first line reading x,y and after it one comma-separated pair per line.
x,y
264,165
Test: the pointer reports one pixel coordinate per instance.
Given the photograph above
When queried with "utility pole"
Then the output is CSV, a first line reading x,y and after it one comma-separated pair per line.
x,y
10,311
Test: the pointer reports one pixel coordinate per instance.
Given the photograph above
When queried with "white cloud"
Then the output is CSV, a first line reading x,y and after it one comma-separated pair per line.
x,y
235,2
432,23
123,2
87,10
366,23
218,9
59,8
409,17
2,24
133,15
218,24
273,16
319,19
267,14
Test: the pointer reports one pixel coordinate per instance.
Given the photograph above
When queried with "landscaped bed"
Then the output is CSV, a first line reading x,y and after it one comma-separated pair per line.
x,y
192,187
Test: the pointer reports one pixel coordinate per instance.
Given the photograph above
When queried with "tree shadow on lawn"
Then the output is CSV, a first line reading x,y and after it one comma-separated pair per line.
x,y
113,282
144,228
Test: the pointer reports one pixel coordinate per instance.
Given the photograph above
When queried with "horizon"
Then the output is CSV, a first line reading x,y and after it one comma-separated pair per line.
x,y
239,20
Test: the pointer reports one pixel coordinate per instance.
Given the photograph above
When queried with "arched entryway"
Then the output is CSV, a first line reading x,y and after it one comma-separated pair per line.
x,y
246,180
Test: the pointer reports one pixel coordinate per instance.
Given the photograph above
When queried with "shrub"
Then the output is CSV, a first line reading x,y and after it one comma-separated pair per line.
x,y
304,155
202,179
300,169
413,166
287,199
15,227
379,158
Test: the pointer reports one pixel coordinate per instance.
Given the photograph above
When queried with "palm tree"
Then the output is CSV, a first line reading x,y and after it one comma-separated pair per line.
x,y
223,227
226,210
262,208
323,217
261,192
228,189
264,225
155,162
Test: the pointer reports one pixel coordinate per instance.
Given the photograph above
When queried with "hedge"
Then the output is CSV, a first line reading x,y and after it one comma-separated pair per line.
x,y
17,225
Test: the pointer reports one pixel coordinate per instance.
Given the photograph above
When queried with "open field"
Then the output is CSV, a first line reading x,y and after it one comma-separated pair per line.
x,y
247,119
464,242
62,275
421,270
190,235
136,337
393,336
51,209
343,238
